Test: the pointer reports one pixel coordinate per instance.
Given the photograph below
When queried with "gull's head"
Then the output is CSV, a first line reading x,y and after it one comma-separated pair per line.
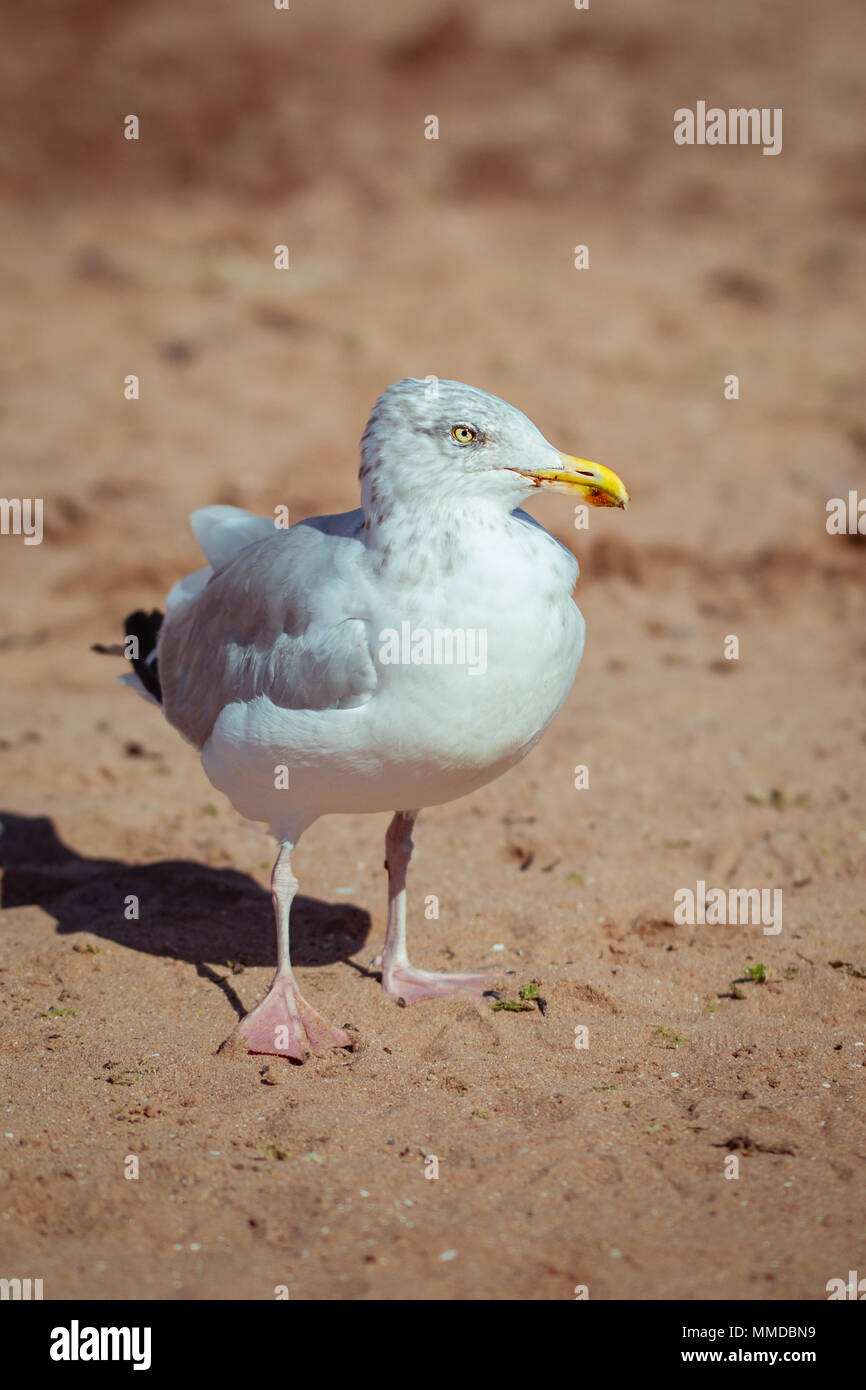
x,y
429,440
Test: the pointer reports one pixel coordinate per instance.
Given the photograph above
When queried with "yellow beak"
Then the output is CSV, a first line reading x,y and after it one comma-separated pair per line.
x,y
599,486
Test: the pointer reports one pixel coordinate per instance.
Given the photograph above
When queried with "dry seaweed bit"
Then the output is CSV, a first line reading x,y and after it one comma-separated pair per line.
x,y
757,972
530,993
527,1001
273,1153
743,1144
668,1037
737,1143
849,969
56,1012
775,797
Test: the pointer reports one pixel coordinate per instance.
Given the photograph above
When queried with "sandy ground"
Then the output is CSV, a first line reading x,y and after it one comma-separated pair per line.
x,y
558,1166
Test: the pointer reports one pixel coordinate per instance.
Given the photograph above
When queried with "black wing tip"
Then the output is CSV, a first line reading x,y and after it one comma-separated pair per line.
x,y
144,627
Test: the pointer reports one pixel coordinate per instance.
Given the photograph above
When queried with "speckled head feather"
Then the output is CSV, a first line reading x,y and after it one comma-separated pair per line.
x,y
430,441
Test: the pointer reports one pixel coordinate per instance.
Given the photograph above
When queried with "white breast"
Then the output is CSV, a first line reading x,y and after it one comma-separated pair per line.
x,y
435,729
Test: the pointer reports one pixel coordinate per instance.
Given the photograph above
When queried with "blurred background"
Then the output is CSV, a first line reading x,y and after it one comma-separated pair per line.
x,y
412,256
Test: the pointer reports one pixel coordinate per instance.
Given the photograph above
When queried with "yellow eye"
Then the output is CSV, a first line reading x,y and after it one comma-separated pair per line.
x,y
463,434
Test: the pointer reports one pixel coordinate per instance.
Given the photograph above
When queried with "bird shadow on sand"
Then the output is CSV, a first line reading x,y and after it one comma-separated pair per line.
x,y
208,917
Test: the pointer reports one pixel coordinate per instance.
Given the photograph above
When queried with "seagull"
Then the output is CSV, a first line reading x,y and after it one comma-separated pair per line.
x,y
389,658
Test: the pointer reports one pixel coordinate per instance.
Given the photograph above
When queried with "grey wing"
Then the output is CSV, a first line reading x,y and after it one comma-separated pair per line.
x,y
283,618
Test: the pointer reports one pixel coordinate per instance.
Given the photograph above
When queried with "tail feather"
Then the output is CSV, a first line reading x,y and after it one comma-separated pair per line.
x,y
222,531
144,627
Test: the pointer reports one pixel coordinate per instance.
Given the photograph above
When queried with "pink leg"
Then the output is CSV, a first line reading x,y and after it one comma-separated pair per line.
x,y
400,979
284,1024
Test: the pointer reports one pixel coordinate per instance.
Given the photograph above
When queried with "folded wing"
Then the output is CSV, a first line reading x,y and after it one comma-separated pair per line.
x,y
259,624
